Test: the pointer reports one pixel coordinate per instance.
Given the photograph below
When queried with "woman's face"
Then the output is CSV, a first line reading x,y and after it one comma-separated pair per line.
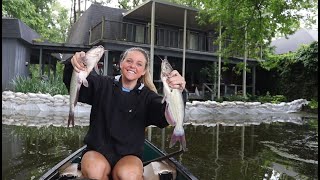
x,y
133,66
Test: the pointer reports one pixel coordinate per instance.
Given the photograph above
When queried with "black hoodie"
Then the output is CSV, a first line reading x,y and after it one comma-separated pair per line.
x,y
118,119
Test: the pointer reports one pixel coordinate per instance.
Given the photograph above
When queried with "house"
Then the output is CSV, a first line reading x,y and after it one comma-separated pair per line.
x,y
22,46
295,41
177,36
16,50
166,30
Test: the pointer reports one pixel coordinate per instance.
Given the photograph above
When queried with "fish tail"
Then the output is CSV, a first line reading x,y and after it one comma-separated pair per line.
x,y
178,136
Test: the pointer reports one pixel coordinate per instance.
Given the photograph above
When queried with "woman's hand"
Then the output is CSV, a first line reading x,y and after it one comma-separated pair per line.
x,y
77,61
176,81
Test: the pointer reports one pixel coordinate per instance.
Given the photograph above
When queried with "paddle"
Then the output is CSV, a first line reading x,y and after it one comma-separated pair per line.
x,y
163,157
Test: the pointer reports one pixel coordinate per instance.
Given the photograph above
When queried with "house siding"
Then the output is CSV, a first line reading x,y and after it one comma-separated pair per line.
x,y
14,57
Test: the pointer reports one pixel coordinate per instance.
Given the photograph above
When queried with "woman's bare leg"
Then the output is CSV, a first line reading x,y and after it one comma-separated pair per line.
x,y
128,168
95,166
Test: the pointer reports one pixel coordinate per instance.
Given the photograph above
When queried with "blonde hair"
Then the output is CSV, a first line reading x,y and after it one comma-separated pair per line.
x,y
146,78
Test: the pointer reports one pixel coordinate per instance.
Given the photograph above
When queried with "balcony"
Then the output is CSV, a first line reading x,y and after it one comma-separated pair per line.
x,y
165,36
169,37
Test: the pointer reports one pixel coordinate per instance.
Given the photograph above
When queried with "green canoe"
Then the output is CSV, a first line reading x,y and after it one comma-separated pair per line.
x,y
157,165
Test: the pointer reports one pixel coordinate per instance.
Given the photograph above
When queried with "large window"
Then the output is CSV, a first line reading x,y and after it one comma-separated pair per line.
x,y
167,37
193,41
197,41
140,33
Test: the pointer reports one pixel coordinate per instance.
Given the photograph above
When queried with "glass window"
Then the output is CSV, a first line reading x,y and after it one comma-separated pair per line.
x,y
140,34
193,41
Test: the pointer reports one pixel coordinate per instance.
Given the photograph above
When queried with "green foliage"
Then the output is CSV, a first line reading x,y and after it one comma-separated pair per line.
x,y
313,104
297,72
210,71
273,99
238,68
236,98
37,84
261,20
129,4
47,17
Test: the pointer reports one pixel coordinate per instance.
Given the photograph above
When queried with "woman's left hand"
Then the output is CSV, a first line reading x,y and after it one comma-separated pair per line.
x,y
176,81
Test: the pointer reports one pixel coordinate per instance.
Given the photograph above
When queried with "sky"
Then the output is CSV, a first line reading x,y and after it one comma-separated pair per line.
x,y
67,4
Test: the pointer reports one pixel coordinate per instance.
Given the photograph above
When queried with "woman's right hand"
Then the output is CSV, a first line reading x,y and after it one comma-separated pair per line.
x,y
77,61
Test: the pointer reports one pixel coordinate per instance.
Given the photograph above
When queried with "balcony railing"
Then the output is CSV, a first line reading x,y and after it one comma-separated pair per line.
x,y
164,36
140,33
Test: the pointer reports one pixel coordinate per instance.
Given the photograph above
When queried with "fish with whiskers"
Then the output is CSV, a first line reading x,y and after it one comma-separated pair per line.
x,y
91,59
175,110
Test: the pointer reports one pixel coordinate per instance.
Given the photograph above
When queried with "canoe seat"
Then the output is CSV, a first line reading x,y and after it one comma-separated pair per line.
x,y
71,171
154,170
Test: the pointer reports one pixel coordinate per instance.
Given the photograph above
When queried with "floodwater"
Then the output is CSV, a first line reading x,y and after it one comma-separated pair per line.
x,y
280,149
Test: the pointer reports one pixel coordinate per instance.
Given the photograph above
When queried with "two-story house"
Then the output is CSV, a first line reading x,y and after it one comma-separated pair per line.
x,y
166,30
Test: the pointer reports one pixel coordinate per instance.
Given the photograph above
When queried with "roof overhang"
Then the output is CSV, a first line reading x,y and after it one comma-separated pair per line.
x,y
166,13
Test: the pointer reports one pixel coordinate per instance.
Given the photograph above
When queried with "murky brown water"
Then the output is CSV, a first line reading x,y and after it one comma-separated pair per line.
x,y
217,150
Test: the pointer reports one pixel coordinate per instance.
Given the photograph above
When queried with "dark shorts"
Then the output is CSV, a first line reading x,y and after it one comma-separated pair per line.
x,y
112,158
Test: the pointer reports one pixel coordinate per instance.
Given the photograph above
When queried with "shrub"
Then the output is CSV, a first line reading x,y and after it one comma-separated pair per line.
x,y
36,84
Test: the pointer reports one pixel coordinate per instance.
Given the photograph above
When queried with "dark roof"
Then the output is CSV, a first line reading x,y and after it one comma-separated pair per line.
x,y
79,33
15,28
165,12
294,41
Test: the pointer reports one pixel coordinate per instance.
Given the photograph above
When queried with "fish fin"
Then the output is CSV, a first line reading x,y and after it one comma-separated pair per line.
x,y
96,69
85,83
71,118
163,99
169,116
178,136
77,97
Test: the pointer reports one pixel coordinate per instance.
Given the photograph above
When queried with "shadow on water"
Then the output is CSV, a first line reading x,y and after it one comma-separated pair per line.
x,y
217,149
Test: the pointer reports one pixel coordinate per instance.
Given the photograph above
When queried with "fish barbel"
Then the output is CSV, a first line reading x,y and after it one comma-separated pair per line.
x,y
174,111
91,59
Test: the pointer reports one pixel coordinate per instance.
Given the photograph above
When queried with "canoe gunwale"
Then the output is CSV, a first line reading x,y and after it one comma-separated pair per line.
x,y
54,171
183,170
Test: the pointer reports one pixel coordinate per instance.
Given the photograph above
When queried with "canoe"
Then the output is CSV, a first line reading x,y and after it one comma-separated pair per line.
x,y
157,165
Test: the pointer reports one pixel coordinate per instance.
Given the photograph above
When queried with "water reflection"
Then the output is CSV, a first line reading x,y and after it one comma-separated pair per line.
x,y
220,149
266,151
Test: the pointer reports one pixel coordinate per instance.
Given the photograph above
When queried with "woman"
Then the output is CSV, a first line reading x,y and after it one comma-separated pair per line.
x,y
122,107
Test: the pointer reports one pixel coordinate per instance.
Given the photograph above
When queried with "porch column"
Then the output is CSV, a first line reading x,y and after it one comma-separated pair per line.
x,y
49,65
219,61
215,79
152,38
244,82
149,129
254,80
184,42
105,62
40,63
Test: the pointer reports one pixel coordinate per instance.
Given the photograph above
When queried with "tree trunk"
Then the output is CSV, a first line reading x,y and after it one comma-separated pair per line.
x,y
79,12
74,11
71,12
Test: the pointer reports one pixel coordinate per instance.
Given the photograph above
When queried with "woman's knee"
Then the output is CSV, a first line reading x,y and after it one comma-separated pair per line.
x,y
95,166
128,168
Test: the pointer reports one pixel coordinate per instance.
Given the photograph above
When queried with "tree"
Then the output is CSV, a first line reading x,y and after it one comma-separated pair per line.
x,y
129,4
46,17
260,19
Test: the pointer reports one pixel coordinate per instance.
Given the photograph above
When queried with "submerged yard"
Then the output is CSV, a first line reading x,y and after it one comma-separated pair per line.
x,y
280,149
